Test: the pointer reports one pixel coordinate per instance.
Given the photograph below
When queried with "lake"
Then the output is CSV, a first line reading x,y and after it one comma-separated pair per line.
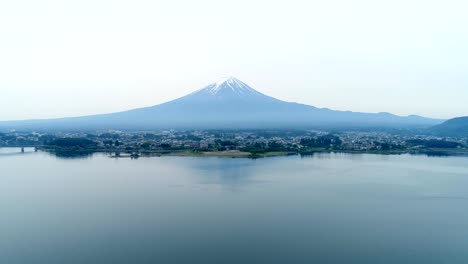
x,y
324,208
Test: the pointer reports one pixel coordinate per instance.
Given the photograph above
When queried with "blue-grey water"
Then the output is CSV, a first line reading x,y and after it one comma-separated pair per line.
x,y
326,208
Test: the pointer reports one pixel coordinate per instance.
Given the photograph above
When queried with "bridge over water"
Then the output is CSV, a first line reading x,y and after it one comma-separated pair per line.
x,y
4,150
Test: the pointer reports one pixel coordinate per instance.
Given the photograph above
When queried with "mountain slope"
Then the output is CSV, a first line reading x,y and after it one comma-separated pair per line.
x,y
457,127
228,103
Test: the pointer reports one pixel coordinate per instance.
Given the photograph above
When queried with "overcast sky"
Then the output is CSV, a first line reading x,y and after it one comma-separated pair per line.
x,y
71,58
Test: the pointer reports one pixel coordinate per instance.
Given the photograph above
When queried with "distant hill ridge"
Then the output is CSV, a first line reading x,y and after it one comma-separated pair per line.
x,y
228,103
457,127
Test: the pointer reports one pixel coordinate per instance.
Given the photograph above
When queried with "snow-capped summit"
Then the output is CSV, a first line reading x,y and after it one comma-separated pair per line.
x,y
228,79
229,86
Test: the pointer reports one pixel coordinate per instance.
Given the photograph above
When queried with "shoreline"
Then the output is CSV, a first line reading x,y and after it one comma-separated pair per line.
x,y
219,154
114,153
241,154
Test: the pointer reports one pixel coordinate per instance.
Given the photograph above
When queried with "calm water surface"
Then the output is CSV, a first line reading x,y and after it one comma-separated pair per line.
x,y
327,208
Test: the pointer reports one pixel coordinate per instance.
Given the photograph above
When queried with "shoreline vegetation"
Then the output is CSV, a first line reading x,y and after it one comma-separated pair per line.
x,y
235,144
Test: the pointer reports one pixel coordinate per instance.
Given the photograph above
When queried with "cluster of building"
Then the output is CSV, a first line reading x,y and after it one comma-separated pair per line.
x,y
363,141
211,140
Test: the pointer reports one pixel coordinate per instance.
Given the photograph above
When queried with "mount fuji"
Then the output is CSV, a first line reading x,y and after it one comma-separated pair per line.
x,y
226,104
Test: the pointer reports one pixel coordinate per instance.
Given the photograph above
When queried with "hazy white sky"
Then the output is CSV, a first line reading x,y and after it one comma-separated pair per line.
x,y
71,58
